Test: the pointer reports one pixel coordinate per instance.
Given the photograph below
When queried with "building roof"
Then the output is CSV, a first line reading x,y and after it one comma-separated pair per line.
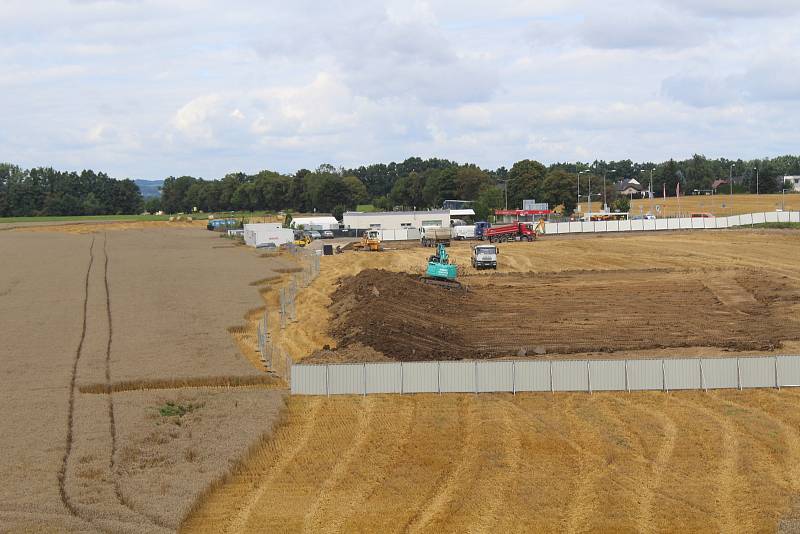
x,y
457,213
388,213
622,185
325,219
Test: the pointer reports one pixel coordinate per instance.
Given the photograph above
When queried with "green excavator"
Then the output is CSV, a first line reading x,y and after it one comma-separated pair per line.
x,y
440,271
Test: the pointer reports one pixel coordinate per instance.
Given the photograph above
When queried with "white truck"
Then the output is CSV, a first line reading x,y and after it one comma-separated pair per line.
x,y
484,256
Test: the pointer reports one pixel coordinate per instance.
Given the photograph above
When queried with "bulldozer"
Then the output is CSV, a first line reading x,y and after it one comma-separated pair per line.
x,y
370,241
440,271
301,240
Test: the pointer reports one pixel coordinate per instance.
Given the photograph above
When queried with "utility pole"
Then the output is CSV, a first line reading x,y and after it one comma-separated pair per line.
x,y
756,169
730,182
651,194
605,203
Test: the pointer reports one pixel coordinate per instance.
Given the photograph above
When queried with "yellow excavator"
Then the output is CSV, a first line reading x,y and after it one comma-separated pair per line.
x,y
370,242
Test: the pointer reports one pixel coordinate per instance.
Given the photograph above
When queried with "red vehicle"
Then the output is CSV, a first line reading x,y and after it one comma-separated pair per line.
x,y
519,231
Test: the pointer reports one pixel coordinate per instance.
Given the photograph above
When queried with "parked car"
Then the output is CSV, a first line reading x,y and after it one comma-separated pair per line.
x,y
327,234
315,235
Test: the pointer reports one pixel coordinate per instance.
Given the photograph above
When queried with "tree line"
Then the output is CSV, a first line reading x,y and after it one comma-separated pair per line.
x,y
46,191
414,183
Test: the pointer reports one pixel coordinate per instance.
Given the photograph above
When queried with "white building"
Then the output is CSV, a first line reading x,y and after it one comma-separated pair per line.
x,y
322,222
792,183
396,220
262,233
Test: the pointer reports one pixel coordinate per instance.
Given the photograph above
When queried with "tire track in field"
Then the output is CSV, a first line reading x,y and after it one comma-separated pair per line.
x,y
790,436
659,465
443,491
387,430
112,463
62,472
511,439
581,507
238,522
314,517
727,471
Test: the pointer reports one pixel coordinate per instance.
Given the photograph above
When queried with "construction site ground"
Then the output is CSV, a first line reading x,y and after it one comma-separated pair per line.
x,y
652,462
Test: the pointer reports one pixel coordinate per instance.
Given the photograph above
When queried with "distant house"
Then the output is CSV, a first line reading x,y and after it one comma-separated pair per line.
x,y
791,183
630,187
718,183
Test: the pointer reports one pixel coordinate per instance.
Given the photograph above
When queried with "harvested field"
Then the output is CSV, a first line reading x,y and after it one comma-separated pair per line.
x,y
679,462
564,313
720,205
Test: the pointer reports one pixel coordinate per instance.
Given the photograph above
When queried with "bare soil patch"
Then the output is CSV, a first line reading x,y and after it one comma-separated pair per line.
x,y
403,318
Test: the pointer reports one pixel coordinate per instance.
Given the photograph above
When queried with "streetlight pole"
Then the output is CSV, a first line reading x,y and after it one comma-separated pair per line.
x,y
756,169
730,182
605,203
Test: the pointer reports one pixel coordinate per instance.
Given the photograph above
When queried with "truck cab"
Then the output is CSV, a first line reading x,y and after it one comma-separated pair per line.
x,y
484,256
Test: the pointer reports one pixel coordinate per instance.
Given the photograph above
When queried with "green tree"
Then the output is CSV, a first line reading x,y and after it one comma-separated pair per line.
x,y
489,199
524,182
558,189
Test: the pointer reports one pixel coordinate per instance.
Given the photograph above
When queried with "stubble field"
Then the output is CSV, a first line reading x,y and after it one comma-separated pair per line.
x,y
720,461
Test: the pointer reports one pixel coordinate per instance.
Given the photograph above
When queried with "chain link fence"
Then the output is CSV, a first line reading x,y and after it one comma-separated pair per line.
x,y
274,357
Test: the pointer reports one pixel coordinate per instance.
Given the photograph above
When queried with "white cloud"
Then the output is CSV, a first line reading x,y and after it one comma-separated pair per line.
x,y
156,87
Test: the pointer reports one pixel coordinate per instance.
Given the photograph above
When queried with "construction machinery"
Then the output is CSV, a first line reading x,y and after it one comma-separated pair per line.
x,y
484,256
370,241
432,236
519,231
440,271
301,240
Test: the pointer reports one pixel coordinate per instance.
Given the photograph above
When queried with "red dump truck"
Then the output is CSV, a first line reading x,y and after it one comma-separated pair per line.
x,y
519,231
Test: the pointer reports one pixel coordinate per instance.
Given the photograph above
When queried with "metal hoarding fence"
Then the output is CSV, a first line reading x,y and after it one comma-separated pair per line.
x,y
470,376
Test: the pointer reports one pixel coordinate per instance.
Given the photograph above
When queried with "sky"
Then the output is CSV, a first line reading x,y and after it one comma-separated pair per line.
x,y
152,88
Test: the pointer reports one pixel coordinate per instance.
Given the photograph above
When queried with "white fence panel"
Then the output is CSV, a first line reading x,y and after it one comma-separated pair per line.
x,y
575,227
561,228
532,376
645,374
495,376
759,218
681,374
709,223
783,216
721,222
309,380
601,226
661,224
746,218
672,224
685,223
570,376
607,375
649,224
758,372
346,379
771,216
612,226
384,377
413,234
587,226
788,371
637,225
720,373
420,377
794,216
624,226
457,377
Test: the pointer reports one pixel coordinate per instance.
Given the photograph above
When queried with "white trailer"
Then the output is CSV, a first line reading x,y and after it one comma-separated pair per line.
x,y
465,231
263,233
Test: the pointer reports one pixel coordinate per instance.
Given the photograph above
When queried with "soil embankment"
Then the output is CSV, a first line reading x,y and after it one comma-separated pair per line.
x,y
562,313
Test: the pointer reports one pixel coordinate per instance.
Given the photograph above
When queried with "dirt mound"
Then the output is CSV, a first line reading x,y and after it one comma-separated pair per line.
x,y
562,313
372,308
